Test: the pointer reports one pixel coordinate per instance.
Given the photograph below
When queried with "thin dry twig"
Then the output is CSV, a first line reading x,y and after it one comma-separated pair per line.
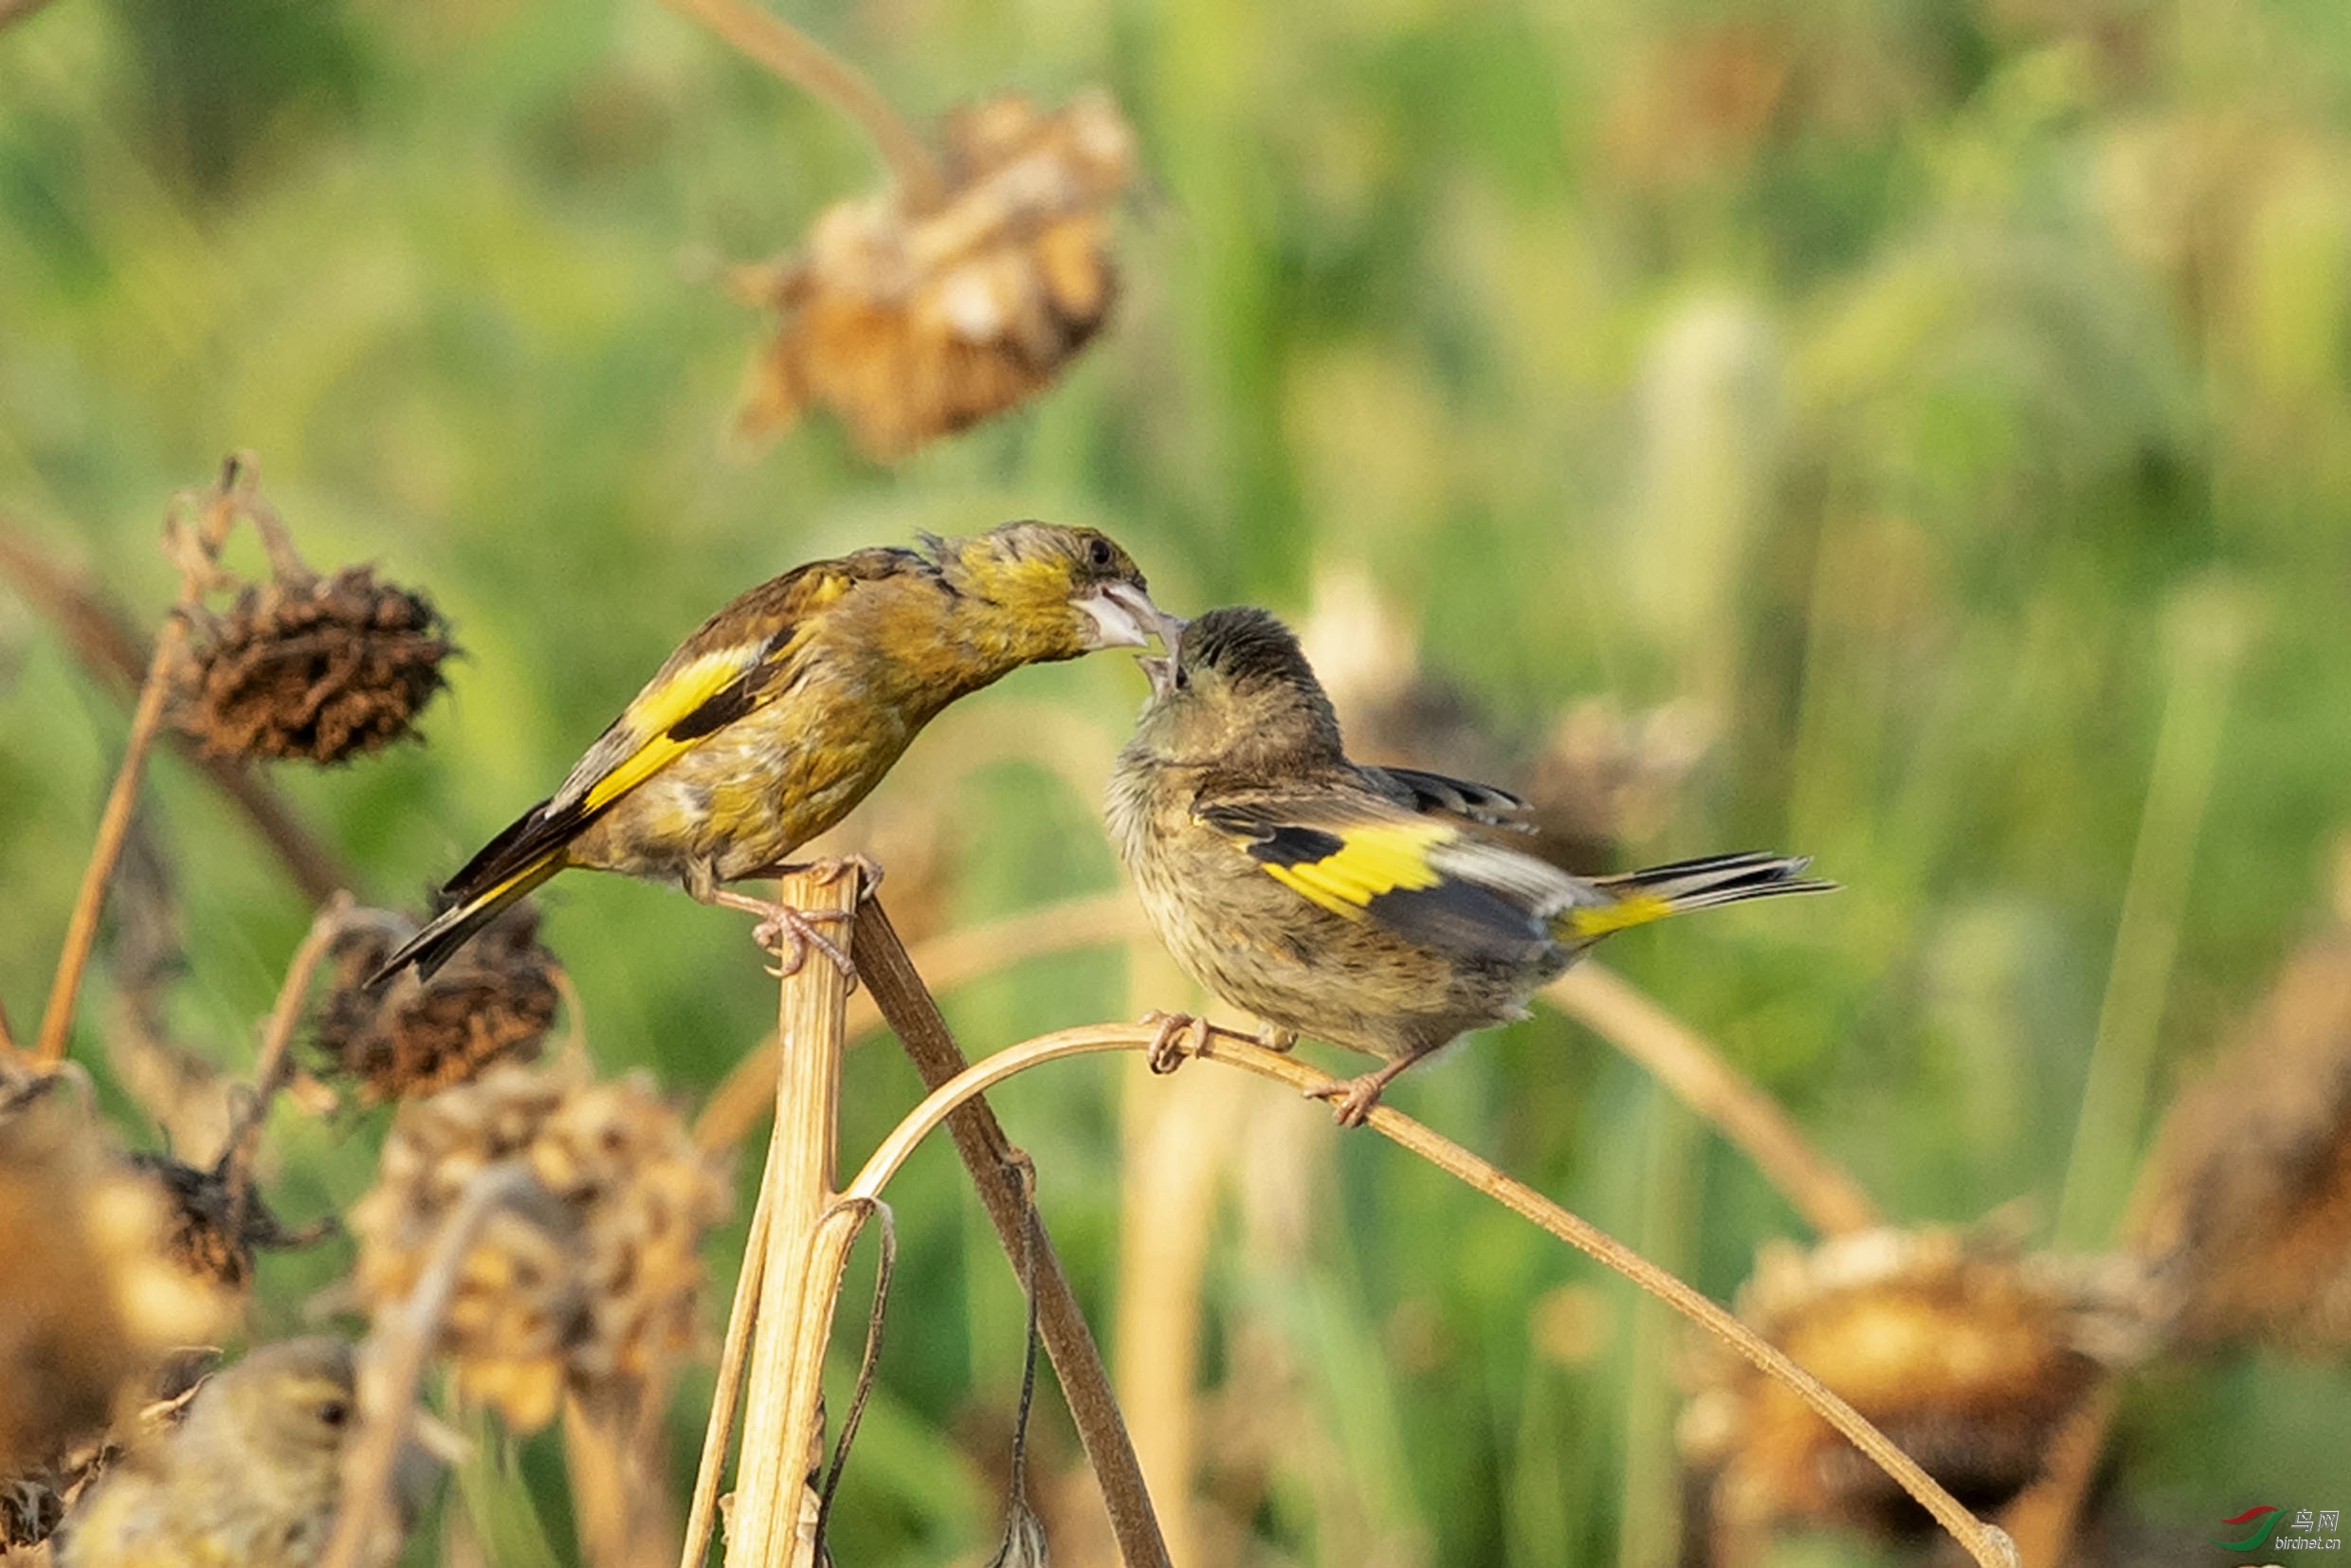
x,y
219,514
1984,1542
998,1171
800,59
273,1068
1698,1075
393,1363
110,650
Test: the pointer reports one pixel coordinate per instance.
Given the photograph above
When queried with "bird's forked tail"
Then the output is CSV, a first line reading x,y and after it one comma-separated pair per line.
x,y
1636,898
454,926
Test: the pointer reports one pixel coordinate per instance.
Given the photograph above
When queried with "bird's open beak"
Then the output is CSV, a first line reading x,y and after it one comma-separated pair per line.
x,y
1122,614
1161,669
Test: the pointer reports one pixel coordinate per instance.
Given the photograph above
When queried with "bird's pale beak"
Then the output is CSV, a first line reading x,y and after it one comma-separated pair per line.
x,y
1122,614
1161,669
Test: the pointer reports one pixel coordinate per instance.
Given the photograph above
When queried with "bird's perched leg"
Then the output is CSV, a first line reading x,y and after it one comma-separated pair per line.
x,y
1352,1098
1165,1055
867,869
787,932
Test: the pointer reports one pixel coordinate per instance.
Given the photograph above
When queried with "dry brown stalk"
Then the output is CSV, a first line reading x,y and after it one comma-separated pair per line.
x,y
1100,920
773,1522
2042,1520
614,1457
274,1067
791,54
1987,1544
393,1362
113,651
1695,1073
702,1511
999,1172
219,513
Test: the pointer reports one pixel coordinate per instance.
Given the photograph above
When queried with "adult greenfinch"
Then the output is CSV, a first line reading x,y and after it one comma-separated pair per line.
x,y
776,718
1377,908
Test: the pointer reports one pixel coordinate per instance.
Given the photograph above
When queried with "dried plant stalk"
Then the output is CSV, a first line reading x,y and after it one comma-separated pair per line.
x,y
1986,1543
702,1512
113,651
393,1362
800,59
1695,1073
999,1174
793,1318
114,824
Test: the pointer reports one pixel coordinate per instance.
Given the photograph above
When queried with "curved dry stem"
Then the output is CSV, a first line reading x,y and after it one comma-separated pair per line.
x,y
1983,1542
273,1069
200,544
800,59
111,650
393,1362
1101,920
1698,1075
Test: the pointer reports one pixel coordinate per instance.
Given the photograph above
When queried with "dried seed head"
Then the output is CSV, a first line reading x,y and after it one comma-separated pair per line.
x,y
326,669
493,1002
2251,1223
912,325
211,1230
1968,1356
92,1322
600,1282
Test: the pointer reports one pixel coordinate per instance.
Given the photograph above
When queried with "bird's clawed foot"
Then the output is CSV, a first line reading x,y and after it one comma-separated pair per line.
x,y
1180,1035
789,933
1352,1098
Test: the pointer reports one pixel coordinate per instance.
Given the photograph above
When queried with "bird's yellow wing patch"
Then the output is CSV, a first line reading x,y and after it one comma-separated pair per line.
x,y
1344,870
657,710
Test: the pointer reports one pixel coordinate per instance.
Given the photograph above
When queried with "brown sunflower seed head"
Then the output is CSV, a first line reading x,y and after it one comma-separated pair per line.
x,y
494,1002
320,668
89,1326
1969,1356
210,1231
600,1281
913,325
2252,1218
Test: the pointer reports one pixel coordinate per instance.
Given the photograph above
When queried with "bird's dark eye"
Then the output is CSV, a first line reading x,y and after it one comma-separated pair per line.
x,y
334,1413
1098,551
1183,679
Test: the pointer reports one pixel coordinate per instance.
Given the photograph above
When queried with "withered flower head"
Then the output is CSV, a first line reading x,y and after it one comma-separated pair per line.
x,y
913,324
601,1280
493,1002
212,1229
1967,1356
2252,1218
88,1305
326,669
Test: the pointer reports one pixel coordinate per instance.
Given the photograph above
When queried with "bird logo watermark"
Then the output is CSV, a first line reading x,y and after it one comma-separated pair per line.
x,y
2268,1526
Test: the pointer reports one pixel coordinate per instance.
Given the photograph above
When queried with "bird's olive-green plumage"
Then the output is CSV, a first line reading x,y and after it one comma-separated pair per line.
x,y
777,715
248,1479
1377,908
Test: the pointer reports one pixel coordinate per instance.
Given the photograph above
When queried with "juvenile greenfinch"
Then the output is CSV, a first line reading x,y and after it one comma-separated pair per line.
x,y
776,718
248,1480
1376,908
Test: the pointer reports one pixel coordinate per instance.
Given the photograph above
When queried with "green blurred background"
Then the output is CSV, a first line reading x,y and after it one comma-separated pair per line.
x,y
1942,403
